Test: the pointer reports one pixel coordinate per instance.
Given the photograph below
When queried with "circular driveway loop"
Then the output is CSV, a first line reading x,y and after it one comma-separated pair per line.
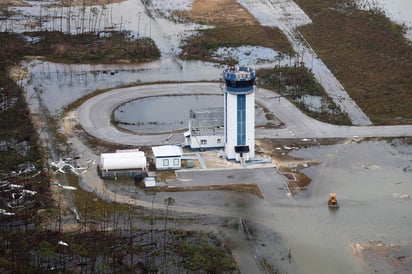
x,y
95,117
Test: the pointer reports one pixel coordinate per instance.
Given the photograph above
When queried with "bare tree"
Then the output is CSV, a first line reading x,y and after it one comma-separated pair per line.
x,y
169,201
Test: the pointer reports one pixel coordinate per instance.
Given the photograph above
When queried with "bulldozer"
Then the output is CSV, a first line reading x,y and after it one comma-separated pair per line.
x,y
332,201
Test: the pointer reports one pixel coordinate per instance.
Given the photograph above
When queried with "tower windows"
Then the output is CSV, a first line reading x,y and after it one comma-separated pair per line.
x,y
241,119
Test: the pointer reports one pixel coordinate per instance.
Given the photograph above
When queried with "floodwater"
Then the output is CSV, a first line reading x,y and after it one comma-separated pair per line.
x,y
168,113
163,113
373,181
60,84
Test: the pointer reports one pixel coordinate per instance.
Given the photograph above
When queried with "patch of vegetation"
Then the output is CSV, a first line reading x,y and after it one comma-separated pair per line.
x,y
21,250
113,47
204,253
118,251
21,161
368,54
233,26
202,46
295,83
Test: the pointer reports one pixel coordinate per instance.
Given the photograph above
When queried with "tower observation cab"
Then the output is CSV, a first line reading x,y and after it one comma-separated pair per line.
x,y
239,112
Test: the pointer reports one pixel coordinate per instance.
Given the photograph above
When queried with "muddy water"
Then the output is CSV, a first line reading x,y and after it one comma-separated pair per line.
x,y
163,113
370,179
168,113
301,235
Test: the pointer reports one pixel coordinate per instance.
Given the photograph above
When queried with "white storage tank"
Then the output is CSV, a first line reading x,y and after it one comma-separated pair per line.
x,y
123,161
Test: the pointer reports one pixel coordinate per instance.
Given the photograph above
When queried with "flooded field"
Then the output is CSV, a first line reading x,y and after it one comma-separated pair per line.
x,y
369,232
297,235
61,84
373,183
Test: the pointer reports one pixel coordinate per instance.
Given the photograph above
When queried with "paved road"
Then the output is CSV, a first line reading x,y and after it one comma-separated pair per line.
x,y
94,116
287,16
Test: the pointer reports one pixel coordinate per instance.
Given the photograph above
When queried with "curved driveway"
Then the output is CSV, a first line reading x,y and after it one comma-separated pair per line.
x,y
95,117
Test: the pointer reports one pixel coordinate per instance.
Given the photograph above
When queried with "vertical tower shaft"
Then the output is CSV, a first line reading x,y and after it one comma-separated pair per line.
x,y
239,111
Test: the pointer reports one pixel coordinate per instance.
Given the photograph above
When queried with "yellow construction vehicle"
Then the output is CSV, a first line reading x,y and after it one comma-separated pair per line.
x,y
332,201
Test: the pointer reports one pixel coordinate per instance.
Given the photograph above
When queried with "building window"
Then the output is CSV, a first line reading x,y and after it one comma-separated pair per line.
x,y
219,141
165,162
176,162
203,142
241,119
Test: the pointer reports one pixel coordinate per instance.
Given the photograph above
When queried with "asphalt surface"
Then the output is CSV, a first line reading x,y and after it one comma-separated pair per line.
x,y
95,117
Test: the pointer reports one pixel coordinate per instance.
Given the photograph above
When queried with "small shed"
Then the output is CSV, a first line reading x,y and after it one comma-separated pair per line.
x,y
150,181
167,157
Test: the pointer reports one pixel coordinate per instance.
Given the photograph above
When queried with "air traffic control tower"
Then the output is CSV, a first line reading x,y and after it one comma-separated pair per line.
x,y
239,113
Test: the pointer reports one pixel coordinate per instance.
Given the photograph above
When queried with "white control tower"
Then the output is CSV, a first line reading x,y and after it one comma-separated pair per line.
x,y
239,113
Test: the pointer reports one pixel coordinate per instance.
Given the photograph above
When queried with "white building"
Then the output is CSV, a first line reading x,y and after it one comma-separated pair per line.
x,y
167,157
206,129
239,113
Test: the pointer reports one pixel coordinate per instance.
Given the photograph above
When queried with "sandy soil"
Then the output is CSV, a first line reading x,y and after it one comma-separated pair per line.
x,y
18,3
89,2
219,12
11,3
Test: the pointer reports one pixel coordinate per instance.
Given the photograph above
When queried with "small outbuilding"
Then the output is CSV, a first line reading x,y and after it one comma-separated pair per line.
x,y
167,157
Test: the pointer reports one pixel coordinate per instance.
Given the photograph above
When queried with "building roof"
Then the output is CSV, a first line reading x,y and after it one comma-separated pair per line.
x,y
207,117
167,151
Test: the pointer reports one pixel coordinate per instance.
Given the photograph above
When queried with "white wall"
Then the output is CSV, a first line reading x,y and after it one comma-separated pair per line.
x,y
165,163
211,141
231,125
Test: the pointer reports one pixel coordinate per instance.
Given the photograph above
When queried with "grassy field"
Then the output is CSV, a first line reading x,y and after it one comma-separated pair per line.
x,y
364,49
233,27
367,53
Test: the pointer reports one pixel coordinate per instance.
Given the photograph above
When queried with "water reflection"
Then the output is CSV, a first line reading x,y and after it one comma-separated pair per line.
x,y
168,113
163,113
58,85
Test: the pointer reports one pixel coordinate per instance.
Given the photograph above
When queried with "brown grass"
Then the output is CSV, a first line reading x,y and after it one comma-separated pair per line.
x,y
367,53
218,12
249,188
227,16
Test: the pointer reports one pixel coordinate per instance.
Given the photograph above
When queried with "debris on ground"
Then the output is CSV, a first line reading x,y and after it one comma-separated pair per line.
x,y
64,165
380,257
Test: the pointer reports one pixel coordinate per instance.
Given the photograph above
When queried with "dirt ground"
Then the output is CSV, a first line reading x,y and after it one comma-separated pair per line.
x,y
380,257
20,3
90,2
219,12
11,3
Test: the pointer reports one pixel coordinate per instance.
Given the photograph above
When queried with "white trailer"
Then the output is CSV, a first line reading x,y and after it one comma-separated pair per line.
x,y
124,163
